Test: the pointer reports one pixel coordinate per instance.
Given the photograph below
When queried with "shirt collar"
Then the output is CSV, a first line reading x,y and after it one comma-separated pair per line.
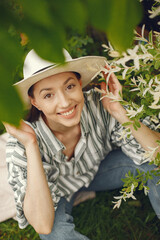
x,y
49,138
54,144
84,122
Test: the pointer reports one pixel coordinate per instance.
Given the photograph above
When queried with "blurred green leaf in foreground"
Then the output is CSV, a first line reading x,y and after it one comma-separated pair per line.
x,y
46,24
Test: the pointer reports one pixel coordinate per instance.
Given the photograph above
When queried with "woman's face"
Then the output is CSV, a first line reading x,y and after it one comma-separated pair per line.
x,y
61,100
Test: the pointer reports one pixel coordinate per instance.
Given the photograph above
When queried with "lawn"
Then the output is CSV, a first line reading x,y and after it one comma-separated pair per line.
x,y
135,220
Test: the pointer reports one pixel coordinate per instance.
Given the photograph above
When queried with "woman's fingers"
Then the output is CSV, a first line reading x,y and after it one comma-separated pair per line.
x,y
9,128
103,86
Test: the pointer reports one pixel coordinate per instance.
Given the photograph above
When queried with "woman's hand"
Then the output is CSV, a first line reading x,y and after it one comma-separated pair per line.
x,y
115,88
24,133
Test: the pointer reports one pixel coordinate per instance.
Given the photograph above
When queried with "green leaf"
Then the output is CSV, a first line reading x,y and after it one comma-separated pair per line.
x,y
126,124
157,64
48,43
37,11
123,17
11,108
152,51
150,37
137,123
135,127
138,171
72,14
101,80
98,13
11,53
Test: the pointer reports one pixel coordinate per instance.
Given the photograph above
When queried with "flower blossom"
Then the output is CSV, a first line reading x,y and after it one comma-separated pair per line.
x,y
133,56
108,95
149,155
124,196
156,97
154,13
124,133
111,52
132,113
146,191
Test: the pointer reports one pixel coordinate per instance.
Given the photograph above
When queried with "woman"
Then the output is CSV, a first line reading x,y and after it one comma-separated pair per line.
x,y
66,146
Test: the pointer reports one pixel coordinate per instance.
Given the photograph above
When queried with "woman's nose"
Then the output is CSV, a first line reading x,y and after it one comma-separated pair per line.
x,y
64,100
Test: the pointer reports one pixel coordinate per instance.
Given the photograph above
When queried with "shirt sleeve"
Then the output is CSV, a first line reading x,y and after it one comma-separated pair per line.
x,y
17,176
129,145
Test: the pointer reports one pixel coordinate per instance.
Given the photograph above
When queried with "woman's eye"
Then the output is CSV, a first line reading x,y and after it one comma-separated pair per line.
x,y
49,95
71,86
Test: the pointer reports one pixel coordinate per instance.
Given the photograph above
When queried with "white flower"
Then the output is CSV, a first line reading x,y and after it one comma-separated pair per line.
x,y
145,91
112,97
134,89
130,195
143,49
156,96
156,80
124,133
124,72
124,196
146,191
150,82
134,80
117,204
154,13
133,55
109,72
106,47
150,154
153,106
141,80
157,89
108,95
132,113
100,90
113,54
154,119
142,32
157,127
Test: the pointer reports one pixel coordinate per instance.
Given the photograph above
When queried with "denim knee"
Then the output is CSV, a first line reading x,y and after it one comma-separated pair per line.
x,y
63,228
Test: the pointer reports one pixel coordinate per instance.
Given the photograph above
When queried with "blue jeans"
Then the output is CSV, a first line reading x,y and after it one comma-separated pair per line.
x,y
112,169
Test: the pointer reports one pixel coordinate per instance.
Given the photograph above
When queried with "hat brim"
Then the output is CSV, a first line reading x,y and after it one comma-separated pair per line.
x,y
87,67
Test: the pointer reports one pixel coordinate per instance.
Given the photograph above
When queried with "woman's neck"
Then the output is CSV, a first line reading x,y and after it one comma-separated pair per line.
x,y
61,131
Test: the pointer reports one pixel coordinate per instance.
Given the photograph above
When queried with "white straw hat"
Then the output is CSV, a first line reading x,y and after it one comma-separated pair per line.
x,y
36,68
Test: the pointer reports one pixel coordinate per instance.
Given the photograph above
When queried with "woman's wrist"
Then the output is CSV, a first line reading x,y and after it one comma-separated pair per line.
x,y
121,116
32,144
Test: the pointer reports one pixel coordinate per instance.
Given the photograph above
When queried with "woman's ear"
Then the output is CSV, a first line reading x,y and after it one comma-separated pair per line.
x,y
80,82
33,102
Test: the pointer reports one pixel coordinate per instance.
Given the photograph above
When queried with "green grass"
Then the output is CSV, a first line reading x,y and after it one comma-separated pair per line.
x,y
135,220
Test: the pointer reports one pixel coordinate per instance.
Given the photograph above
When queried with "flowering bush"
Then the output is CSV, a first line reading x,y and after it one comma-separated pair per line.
x,y
138,69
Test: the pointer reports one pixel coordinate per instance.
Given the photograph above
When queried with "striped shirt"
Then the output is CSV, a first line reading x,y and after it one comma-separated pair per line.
x,y
100,133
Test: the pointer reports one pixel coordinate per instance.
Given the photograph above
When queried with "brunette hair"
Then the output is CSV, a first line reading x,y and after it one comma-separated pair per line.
x,y
34,113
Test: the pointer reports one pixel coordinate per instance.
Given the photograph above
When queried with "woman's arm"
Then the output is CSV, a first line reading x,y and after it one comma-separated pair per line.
x,y
38,204
145,136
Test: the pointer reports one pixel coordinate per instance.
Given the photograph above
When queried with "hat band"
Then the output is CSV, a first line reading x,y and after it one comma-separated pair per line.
x,y
44,69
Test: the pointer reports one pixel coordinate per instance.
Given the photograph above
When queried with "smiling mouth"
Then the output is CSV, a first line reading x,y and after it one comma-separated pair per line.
x,y
68,113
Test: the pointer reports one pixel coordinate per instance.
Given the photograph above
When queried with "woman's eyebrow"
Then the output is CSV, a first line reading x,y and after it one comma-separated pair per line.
x,y
45,89
49,89
68,79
